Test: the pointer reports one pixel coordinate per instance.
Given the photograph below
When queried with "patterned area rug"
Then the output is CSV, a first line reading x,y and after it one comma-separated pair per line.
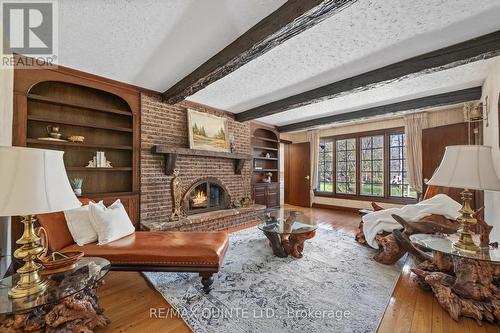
x,y
335,287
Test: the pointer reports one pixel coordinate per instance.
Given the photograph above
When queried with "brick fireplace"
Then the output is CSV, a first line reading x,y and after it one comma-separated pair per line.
x,y
164,124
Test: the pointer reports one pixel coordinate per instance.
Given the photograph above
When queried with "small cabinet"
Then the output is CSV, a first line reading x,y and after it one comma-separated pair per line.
x,y
259,194
266,194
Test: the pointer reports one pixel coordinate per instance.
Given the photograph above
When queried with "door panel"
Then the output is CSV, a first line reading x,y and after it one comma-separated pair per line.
x,y
434,142
297,174
273,195
259,195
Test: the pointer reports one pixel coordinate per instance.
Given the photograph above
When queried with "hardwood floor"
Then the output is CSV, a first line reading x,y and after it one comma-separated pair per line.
x,y
128,298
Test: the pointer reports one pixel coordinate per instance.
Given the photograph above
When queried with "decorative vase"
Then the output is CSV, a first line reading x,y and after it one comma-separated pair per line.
x,y
78,191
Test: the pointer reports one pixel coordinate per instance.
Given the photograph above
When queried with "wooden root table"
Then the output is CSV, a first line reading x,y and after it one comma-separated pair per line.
x,y
464,284
69,305
287,230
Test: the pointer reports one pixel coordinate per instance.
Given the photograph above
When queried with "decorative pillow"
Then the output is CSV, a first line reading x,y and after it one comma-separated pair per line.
x,y
58,233
111,223
80,226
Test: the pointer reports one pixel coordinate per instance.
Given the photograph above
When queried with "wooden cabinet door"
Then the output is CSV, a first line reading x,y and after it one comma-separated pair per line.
x,y
259,195
273,195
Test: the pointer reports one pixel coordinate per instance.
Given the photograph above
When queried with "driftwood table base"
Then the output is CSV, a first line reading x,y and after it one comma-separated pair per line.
x,y
285,245
462,286
80,313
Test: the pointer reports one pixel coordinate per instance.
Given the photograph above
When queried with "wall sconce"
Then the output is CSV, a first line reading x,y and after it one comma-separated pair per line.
x,y
476,112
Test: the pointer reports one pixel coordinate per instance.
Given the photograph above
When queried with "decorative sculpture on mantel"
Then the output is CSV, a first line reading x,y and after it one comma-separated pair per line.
x,y
177,211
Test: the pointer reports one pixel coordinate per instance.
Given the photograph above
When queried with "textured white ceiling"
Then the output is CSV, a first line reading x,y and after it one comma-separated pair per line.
x,y
151,43
367,35
155,43
463,77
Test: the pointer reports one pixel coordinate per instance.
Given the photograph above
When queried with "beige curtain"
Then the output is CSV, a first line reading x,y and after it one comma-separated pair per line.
x,y
313,138
414,124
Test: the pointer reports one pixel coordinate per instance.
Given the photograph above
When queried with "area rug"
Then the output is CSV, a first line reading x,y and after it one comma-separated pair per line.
x,y
335,287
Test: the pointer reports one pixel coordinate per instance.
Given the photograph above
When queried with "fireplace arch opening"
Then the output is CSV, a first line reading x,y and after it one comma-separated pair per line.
x,y
206,195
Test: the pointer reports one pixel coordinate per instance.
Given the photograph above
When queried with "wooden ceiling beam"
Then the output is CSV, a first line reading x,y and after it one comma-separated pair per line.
x,y
480,48
450,98
292,18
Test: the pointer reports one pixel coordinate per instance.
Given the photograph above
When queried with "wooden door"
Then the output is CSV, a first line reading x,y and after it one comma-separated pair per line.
x,y
297,174
434,142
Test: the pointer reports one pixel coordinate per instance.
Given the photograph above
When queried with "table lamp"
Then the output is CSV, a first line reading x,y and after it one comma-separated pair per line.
x,y
471,168
32,181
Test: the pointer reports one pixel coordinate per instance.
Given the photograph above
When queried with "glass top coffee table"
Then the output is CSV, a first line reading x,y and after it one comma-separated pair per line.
x,y
444,244
287,230
76,288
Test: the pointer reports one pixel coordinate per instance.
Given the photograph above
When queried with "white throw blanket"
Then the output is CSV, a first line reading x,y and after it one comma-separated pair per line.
x,y
376,222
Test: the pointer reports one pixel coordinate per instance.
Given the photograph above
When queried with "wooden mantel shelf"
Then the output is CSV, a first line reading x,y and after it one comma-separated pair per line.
x,y
170,155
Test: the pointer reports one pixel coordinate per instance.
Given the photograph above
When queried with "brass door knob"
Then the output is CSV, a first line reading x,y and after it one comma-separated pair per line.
x,y
307,177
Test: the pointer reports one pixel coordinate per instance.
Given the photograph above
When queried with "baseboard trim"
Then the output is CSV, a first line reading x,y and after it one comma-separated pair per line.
x,y
334,207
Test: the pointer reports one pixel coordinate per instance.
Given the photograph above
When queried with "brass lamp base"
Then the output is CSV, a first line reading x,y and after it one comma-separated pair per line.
x,y
466,244
466,220
30,282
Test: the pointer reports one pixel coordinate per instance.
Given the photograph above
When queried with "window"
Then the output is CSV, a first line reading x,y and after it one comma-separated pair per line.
x,y
325,168
346,166
372,166
398,172
366,165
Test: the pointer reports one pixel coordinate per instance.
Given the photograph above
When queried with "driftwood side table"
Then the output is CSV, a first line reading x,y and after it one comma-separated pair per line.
x,y
287,230
464,284
70,303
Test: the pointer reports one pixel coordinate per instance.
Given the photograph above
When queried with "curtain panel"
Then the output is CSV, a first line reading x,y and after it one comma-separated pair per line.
x,y
414,124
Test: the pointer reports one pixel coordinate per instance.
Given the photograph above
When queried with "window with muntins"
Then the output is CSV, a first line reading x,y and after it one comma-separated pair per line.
x,y
398,168
372,165
366,166
346,166
325,167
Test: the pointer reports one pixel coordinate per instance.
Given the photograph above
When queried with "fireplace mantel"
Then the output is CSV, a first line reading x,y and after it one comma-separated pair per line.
x,y
170,156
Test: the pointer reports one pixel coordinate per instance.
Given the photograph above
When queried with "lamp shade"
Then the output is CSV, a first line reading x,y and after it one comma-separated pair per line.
x,y
468,167
33,181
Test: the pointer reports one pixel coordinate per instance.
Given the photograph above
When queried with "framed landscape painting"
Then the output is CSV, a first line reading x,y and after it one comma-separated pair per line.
x,y
207,132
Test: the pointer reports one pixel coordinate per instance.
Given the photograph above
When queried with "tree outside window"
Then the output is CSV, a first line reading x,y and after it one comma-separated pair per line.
x,y
346,166
325,167
372,166
398,168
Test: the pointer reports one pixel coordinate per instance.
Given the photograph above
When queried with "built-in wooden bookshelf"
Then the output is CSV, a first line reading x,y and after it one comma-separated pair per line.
x,y
105,113
79,110
265,159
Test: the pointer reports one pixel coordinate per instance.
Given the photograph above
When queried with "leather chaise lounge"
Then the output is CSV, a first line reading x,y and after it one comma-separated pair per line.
x,y
198,252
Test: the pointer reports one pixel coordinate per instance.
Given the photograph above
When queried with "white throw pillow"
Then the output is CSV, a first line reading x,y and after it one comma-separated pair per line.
x,y
80,226
111,223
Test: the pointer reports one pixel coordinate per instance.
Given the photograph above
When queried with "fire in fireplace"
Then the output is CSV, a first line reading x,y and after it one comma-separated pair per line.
x,y
199,199
207,194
